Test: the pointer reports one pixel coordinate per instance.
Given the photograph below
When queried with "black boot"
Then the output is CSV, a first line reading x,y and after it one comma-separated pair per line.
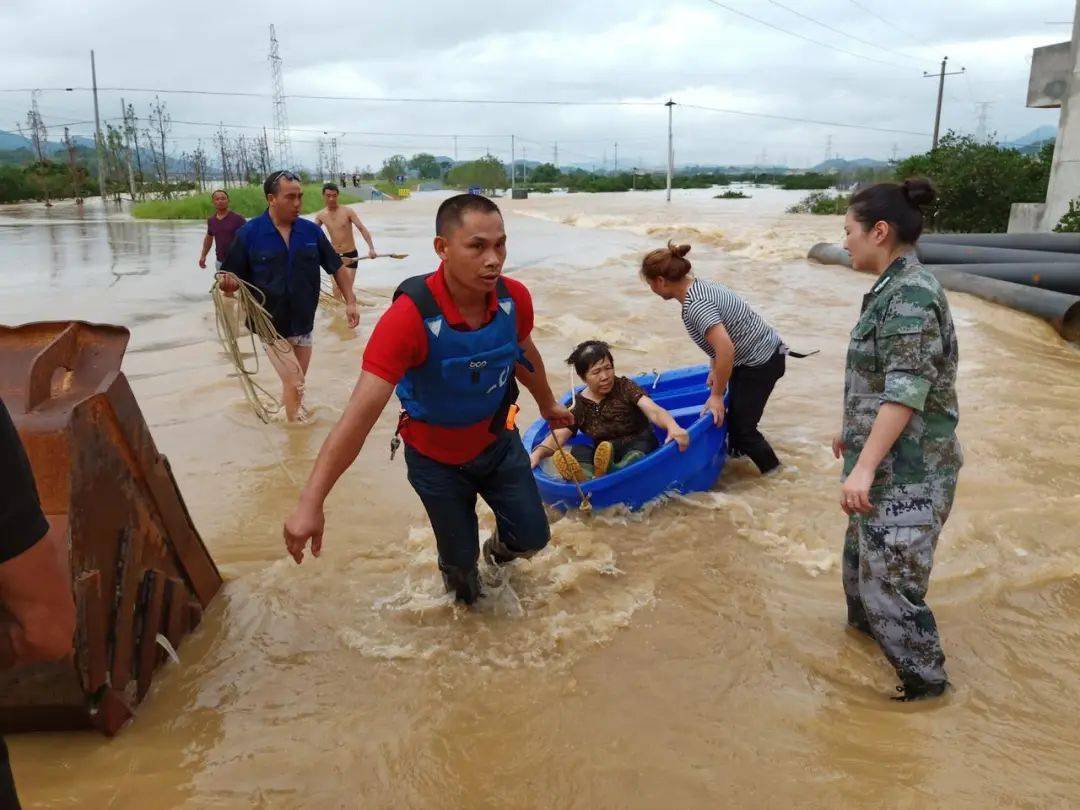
x,y
496,552
920,690
464,583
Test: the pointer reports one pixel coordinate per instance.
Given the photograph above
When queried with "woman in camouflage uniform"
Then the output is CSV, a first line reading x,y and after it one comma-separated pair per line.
x,y
898,442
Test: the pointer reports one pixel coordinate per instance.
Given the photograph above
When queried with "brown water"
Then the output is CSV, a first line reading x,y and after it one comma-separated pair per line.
x,y
691,656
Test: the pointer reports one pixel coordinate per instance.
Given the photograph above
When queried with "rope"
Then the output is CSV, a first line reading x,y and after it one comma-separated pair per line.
x,y
326,291
249,301
585,507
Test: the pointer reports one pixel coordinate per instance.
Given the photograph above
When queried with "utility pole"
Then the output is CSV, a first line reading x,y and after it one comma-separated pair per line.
x,y
982,132
941,94
455,149
98,143
828,149
264,155
556,154
670,148
895,152
127,152
513,156
224,162
616,157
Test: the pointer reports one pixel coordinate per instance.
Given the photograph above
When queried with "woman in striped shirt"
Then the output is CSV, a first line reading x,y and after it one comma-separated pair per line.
x,y
746,352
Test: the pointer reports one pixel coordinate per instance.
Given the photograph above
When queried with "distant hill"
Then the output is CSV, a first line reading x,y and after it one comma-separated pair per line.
x,y
1037,137
12,141
840,165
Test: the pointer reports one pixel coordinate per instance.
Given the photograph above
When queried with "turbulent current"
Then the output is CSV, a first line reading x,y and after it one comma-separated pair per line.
x,y
692,655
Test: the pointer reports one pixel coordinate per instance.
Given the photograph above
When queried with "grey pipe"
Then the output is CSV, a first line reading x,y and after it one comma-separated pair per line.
x,y
931,253
1061,278
829,253
1060,309
1054,242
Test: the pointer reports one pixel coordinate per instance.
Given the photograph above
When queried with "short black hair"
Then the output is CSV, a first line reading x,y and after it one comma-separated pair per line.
x,y
273,181
331,187
219,191
453,210
899,204
587,355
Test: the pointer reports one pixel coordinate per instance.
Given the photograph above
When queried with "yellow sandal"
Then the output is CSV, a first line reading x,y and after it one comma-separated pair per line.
x,y
568,466
602,458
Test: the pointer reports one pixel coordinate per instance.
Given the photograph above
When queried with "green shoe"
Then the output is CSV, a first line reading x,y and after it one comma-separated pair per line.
x,y
630,458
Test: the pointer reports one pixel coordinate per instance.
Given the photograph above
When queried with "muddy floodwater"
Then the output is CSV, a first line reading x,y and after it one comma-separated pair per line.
x,y
693,655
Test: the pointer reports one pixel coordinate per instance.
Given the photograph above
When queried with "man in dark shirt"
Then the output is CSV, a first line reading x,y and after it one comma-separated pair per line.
x,y
221,228
37,614
279,254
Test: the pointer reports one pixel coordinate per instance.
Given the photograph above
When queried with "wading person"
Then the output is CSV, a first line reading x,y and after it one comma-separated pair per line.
x,y
744,350
339,221
453,343
37,614
279,254
221,228
614,412
901,455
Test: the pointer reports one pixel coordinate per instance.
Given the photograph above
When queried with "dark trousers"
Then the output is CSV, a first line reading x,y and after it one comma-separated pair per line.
x,y
8,799
750,388
503,477
644,442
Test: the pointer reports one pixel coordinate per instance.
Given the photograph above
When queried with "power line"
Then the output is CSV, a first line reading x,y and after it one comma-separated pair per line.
x,y
875,45
364,99
892,25
801,36
801,120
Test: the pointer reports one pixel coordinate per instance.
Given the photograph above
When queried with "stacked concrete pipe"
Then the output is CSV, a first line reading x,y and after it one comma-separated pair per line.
x,y
1034,273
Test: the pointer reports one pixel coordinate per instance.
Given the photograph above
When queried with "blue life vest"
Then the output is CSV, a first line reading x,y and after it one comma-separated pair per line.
x,y
468,376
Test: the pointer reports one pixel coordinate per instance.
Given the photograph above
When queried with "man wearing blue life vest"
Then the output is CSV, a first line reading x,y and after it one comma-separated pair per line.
x,y
454,343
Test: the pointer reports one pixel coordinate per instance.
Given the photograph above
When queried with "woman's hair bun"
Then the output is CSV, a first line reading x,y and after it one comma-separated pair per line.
x,y
919,191
677,250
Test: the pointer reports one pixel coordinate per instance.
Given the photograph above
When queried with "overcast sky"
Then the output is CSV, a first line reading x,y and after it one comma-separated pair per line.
x,y
575,50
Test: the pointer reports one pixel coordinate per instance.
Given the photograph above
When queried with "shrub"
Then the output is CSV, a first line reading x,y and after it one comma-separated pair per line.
x,y
1070,223
978,182
821,202
248,201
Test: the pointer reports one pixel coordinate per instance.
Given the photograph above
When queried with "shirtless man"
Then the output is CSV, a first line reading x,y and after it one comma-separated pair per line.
x,y
338,221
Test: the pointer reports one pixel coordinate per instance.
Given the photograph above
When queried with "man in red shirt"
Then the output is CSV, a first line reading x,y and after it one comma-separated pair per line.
x,y
453,343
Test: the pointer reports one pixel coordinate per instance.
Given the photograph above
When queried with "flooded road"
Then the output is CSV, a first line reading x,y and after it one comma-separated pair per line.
x,y
690,656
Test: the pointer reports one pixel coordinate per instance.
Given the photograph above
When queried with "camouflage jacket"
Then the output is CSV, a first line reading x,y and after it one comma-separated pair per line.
x,y
903,349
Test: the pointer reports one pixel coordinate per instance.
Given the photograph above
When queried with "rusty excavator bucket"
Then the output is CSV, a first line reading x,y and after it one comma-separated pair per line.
x,y
139,569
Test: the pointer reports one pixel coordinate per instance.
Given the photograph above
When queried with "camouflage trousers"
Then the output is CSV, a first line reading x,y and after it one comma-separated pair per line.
x,y
887,559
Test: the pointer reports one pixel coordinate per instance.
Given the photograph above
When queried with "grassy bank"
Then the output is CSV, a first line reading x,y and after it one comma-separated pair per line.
x,y
247,200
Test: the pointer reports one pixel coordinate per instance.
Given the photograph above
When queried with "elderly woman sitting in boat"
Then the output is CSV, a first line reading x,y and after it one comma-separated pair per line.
x,y
614,413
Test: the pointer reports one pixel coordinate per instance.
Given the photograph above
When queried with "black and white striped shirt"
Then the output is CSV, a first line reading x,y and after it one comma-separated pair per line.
x,y
708,303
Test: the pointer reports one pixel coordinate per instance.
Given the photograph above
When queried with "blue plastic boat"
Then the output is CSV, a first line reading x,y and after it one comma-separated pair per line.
x,y
683,393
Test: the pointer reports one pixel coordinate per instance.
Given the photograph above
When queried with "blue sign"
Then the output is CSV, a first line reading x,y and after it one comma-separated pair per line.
x,y
400,179
475,190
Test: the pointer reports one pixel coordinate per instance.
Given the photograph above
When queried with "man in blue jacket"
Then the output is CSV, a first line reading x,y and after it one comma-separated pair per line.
x,y
279,254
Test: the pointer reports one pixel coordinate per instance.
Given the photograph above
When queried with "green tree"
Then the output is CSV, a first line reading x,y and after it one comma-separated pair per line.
x,y
488,173
544,173
978,182
426,165
392,167
1070,222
